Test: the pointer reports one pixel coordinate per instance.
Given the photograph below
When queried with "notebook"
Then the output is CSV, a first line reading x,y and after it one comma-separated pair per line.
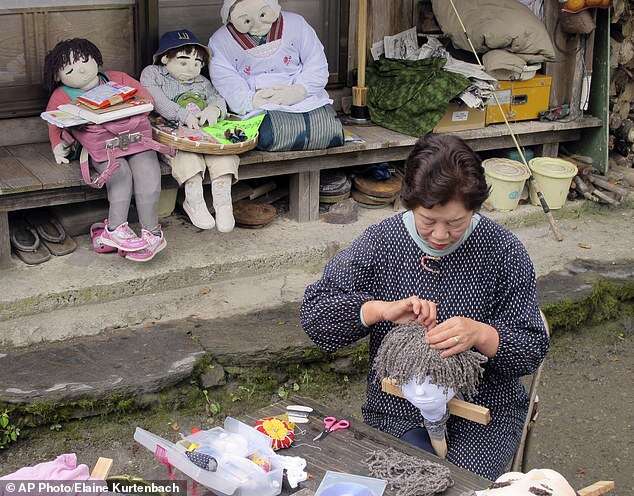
x,y
62,119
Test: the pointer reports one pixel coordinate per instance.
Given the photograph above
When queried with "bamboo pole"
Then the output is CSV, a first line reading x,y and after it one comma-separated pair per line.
x,y
533,181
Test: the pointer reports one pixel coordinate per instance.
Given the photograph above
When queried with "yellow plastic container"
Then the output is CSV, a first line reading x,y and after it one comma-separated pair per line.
x,y
553,175
521,100
506,179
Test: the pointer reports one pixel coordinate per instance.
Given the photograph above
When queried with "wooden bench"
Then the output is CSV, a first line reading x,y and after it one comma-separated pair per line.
x,y
30,178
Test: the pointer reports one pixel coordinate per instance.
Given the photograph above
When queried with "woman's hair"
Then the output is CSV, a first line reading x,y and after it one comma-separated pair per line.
x,y
442,168
188,49
60,56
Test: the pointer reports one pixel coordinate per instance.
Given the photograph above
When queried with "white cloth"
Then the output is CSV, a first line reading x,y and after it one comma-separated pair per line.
x,y
225,10
297,58
295,469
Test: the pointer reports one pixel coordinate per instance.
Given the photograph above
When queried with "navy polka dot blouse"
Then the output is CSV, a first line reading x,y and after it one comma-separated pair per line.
x,y
489,278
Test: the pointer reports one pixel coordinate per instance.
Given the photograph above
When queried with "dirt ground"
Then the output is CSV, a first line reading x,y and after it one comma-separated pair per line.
x,y
584,428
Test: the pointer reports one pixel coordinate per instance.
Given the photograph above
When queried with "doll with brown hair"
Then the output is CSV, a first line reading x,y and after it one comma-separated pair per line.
x,y
184,96
70,69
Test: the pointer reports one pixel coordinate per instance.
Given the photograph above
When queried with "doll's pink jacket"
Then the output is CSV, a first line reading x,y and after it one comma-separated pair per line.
x,y
59,97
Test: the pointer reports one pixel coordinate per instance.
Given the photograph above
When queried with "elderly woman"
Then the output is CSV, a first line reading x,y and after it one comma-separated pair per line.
x,y
466,278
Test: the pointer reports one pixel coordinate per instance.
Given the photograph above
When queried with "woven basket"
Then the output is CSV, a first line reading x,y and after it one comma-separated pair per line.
x,y
208,147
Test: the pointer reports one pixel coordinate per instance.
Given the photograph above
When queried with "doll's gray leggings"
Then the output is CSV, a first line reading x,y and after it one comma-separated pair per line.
x,y
138,174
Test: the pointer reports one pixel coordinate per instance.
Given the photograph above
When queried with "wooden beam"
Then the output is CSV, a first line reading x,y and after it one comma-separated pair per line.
x,y
596,489
101,469
5,243
459,408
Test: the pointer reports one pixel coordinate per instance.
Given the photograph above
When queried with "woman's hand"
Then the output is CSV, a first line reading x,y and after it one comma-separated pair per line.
x,y
400,312
459,334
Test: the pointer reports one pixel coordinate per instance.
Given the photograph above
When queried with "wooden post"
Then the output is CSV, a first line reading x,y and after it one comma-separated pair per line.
x,y
5,243
469,411
304,196
550,150
359,111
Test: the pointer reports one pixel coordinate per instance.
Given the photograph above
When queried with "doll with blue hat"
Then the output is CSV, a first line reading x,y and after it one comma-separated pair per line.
x,y
186,97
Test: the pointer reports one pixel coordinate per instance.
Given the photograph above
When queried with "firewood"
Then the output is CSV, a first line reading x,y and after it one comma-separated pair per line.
x,y
584,189
628,173
615,121
606,198
626,131
603,184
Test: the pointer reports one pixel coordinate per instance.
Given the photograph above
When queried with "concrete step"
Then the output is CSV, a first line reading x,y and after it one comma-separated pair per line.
x,y
209,274
194,258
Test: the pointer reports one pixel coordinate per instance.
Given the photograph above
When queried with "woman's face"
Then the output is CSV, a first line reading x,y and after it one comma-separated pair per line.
x,y
442,225
82,74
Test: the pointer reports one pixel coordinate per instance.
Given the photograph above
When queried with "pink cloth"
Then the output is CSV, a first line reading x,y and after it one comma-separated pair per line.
x,y
59,97
64,467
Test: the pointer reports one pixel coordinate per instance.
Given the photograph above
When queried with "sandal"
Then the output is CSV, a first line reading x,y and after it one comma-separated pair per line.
x,y
26,242
51,232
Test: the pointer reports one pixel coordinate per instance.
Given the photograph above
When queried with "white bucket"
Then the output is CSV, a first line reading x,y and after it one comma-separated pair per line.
x,y
553,176
506,179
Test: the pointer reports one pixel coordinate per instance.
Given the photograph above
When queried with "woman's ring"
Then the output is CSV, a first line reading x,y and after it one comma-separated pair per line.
x,y
457,339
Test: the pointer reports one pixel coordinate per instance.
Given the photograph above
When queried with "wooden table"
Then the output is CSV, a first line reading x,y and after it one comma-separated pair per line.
x,y
346,451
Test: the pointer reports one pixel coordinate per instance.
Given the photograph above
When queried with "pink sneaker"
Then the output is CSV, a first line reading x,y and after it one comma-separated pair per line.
x,y
155,244
122,238
96,230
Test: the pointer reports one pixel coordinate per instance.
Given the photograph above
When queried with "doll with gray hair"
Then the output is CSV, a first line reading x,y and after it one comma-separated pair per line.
x,y
427,380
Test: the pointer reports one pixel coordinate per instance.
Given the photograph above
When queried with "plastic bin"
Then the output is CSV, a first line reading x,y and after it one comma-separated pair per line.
x,y
506,178
236,475
554,176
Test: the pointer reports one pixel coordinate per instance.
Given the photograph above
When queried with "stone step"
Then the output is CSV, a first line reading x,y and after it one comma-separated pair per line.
x,y
88,376
218,299
92,375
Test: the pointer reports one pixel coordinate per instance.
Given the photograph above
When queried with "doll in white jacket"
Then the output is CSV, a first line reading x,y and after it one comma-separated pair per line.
x,y
266,59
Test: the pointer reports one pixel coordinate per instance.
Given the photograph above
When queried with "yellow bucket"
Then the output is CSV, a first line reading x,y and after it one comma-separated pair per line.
x,y
506,179
554,176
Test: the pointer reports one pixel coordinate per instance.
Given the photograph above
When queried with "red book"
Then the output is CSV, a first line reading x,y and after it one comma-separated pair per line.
x,y
106,95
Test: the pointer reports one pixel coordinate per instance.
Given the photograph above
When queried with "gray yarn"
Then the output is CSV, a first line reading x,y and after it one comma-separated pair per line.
x,y
404,355
408,475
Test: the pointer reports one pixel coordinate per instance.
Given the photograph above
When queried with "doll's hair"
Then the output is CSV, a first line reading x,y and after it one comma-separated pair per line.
x,y
404,355
60,56
188,49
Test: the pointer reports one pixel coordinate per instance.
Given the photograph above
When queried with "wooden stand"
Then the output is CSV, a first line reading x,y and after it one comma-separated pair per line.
x,y
459,408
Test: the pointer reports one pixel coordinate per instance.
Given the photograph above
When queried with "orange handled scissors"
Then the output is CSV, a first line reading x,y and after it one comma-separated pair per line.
x,y
332,424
